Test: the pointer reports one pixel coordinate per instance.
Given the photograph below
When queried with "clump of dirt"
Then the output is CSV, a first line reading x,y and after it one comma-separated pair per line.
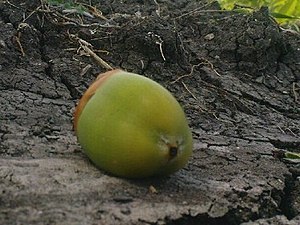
x,y
237,77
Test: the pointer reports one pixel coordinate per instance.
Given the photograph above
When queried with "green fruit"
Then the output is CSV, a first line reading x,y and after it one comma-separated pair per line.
x,y
132,127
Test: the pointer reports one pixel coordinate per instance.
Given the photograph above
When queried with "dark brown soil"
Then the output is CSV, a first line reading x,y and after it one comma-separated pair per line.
x,y
237,77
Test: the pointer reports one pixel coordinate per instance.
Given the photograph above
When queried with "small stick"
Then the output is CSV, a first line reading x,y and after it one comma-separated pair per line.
x,y
19,43
280,129
187,75
291,132
100,61
158,8
84,45
185,86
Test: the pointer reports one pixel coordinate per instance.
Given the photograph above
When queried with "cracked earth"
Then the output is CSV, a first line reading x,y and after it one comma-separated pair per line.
x,y
236,76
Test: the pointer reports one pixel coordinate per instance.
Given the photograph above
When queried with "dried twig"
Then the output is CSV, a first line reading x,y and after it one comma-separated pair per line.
x,y
72,21
211,66
186,75
282,131
85,69
17,38
161,50
86,46
199,10
30,14
12,5
100,61
159,41
295,135
95,11
158,8
193,68
185,86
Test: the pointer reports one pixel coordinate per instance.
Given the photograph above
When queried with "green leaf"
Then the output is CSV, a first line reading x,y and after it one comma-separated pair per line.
x,y
292,155
284,11
283,16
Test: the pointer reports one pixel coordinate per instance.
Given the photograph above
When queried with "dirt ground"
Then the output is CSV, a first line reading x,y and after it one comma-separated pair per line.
x,y
237,77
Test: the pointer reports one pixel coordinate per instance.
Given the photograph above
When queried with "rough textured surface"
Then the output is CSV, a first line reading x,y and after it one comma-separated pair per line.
x,y
237,77
277,220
